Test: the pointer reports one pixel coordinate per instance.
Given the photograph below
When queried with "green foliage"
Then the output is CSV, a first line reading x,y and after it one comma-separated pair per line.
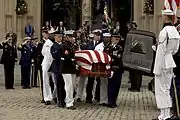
x,y
21,7
149,7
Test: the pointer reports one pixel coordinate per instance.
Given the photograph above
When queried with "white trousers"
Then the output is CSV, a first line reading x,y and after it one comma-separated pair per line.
x,y
69,88
162,88
81,87
47,93
74,80
103,90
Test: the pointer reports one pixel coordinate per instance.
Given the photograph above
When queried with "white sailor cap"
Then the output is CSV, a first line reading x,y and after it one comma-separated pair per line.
x,y
106,34
91,35
69,32
167,12
97,30
27,38
52,31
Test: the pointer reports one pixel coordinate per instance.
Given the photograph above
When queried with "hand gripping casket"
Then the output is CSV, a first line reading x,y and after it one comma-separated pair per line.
x,y
138,53
93,63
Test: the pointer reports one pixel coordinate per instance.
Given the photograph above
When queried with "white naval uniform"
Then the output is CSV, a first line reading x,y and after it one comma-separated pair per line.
x,y
81,91
69,88
104,80
46,63
163,68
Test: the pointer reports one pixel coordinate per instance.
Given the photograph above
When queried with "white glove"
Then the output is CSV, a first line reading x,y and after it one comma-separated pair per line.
x,y
111,74
77,67
154,47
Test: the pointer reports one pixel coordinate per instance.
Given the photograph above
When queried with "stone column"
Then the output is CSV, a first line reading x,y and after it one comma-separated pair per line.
x,y
2,19
136,11
86,10
38,18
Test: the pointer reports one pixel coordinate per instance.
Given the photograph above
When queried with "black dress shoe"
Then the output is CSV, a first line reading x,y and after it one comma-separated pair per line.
x,y
89,102
9,88
47,103
111,106
61,105
71,108
174,118
55,100
103,104
79,100
25,87
133,90
42,101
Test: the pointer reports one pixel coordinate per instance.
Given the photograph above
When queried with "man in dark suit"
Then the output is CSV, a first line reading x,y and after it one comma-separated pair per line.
x,y
29,29
90,84
57,53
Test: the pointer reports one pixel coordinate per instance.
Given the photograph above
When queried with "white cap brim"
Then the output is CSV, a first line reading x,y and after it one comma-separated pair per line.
x,y
167,12
97,30
107,35
91,35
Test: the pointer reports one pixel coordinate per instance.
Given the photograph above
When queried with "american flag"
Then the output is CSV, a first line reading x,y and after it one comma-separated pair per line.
x,y
171,4
85,59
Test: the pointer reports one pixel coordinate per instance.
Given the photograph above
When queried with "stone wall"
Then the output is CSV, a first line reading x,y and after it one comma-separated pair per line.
x,y
148,22
9,20
86,10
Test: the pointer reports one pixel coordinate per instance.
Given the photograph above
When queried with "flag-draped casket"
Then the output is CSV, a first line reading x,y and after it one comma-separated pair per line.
x,y
93,63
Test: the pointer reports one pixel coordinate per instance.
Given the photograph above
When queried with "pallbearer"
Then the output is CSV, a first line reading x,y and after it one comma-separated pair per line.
x,y
69,68
46,64
115,50
57,54
8,59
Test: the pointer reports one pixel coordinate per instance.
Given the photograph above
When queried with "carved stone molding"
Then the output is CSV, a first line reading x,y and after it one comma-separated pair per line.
x,y
86,10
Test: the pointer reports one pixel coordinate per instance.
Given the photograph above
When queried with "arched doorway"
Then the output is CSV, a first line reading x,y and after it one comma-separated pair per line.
x,y
61,10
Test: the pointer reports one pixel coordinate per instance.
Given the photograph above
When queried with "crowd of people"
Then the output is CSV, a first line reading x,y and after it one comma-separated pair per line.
x,y
51,60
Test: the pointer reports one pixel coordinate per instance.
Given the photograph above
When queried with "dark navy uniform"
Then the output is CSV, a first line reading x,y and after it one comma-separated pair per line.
x,y
38,58
25,62
8,59
115,51
91,46
68,66
57,53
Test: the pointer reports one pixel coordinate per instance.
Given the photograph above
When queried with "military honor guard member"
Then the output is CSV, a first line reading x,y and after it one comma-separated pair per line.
x,y
103,80
57,54
38,58
115,50
8,59
167,46
46,64
25,62
89,88
69,68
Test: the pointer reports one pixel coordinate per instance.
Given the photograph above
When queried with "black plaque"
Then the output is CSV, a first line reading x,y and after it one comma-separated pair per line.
x,y
138,53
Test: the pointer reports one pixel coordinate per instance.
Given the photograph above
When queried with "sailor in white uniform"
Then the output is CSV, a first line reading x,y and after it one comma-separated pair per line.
x,y
104,80
168,45
46,64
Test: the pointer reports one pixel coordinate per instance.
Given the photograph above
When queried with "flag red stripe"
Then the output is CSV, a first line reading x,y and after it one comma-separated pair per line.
x,y
83,60
98,56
